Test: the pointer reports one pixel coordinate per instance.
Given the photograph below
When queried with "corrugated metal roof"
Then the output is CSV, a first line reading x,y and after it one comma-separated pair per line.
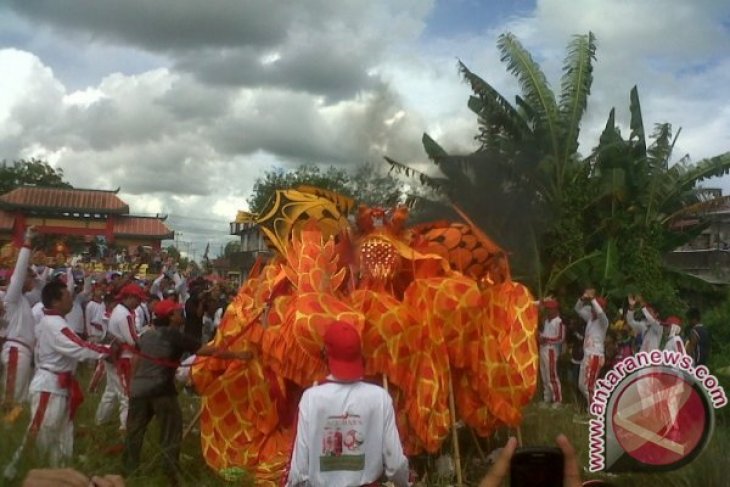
x,y
64,200
137,226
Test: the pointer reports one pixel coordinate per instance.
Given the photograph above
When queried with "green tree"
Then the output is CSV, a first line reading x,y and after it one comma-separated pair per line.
x,y
365,184
569,220
33,172
642,206
522,175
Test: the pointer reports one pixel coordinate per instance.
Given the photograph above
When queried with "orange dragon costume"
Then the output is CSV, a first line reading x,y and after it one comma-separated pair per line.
x,y
434,304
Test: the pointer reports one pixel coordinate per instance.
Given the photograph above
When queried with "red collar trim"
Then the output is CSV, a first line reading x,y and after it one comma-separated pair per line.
x,y
51,312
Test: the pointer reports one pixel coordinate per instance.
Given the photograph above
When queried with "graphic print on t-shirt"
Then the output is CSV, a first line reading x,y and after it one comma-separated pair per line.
x,y
342,440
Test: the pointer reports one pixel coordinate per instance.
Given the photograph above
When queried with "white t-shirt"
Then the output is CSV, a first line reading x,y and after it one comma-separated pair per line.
x,y
58,350
346,436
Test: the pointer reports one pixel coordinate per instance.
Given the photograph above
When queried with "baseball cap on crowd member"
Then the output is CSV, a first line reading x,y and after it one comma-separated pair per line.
x,y
166,307
551,304
344,351
132,290
672,320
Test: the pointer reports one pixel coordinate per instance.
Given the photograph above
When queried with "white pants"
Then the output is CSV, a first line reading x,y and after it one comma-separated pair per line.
x,y
52,427
113,392
590,367
17,372
552,391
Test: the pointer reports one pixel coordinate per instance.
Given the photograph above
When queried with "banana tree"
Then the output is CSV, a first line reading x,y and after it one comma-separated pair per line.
x,y
518,180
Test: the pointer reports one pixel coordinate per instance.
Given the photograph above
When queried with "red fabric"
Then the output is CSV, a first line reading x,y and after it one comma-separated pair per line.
x,y
132,327
344,351
557,392
40,413
76,396
124,369
69,333
594,366
166,308
51,312
98,374
132,290
11,374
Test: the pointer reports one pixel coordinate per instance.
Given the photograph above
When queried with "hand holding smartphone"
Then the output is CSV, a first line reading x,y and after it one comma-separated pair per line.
x,y
537,466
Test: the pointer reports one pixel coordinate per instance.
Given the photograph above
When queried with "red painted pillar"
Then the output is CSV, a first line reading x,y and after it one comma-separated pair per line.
x,y
109,230
19,229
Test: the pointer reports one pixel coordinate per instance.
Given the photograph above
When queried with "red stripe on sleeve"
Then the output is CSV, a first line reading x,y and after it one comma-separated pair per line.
x,y
68,333
132,327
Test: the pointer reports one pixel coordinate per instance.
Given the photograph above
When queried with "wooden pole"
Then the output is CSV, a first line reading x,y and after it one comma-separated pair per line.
x,y
519,436
385,382
455,435
195,419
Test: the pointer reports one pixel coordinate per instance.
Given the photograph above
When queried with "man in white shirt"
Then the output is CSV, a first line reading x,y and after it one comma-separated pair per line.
x,y
17,351
648,327
346,432
55,393
591,309
121,329
552,336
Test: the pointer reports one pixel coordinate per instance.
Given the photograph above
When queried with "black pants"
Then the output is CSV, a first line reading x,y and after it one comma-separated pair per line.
x,y
169,417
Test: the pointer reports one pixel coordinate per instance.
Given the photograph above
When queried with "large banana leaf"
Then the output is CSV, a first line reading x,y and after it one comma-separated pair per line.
x,y
575,88
535,87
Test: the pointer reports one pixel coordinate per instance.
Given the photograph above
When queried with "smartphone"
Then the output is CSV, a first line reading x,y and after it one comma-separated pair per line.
x,y
537,466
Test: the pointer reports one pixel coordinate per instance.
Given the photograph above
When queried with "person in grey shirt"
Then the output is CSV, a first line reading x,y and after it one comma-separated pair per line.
x,y
153,391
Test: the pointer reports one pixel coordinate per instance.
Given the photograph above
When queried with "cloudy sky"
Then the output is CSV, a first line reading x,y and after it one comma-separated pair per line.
x,y
183,103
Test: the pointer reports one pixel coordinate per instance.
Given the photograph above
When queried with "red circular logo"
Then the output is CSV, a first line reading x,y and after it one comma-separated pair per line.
x,y
661,418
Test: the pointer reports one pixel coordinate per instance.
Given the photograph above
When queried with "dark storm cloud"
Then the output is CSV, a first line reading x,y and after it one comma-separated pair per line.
x,y
319,46
167,25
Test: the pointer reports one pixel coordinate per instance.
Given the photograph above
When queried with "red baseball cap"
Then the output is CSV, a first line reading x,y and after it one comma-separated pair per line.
x,y
166,308
672,320
551,304
132,290
344,351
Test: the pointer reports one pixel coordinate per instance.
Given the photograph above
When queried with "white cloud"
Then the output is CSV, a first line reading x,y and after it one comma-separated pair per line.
x,y
189,117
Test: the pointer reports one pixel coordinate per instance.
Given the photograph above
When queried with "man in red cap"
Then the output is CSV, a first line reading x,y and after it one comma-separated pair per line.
x,y
153,392
121,329
346,432
552,337
592,310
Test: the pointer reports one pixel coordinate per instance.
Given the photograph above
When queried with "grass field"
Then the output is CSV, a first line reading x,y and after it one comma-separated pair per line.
x,y
98,450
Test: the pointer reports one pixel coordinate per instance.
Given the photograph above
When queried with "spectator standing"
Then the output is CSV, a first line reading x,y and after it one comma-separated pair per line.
x,y
121,329
648,326
591,309
552,337
674,340
346,433
17,351
55,392
699,340
153,392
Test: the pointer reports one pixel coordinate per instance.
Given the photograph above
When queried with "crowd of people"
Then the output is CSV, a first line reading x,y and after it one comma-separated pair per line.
x,y
136,331
594,343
